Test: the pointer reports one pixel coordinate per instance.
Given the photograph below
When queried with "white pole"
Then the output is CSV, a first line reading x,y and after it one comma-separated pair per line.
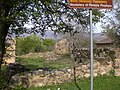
x,y
91,52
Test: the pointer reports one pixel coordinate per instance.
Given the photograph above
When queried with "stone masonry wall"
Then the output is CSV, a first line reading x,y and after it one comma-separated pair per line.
x,y
117,67
10,51
104,64
43,77
62,47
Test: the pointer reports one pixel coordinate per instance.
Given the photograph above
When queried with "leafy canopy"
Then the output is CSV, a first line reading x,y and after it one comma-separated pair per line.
x,y
43,15
112,29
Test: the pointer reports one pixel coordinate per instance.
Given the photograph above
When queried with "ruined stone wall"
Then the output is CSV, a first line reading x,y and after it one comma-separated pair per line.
x,y
117,67
62,47
104,64
117,51
9,57
82,55
44,77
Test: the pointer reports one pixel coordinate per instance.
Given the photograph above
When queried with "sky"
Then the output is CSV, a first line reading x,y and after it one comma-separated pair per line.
x,y
97,28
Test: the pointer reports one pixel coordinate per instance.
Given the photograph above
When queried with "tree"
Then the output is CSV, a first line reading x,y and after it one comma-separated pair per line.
x,y
14,13
77,40
43,14
112,29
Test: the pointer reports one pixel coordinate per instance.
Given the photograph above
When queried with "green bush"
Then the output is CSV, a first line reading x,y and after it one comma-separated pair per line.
x,y
48,44
33,44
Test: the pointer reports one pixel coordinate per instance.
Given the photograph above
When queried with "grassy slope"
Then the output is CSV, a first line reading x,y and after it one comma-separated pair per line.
x,y
100,83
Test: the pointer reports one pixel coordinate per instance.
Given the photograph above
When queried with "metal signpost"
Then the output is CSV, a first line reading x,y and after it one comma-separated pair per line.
x,y
91,51
91,4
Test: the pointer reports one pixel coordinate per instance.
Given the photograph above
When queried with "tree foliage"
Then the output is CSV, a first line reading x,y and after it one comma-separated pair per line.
x,y
112,29
42,14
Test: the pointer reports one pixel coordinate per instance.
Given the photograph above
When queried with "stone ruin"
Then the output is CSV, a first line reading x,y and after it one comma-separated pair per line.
x,y
82,55
103,65
51,56
43,77
62,47
9,56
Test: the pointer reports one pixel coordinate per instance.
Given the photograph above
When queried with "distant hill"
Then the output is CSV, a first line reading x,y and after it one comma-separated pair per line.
x,y
97,36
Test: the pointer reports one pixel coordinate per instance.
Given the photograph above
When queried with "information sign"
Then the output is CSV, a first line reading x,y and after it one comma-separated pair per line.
x,y
100,4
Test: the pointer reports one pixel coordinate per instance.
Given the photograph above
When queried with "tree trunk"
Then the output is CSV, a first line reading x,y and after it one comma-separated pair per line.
x,y
3,33
4,27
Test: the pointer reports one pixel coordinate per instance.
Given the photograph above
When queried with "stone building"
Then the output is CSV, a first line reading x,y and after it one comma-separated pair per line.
x,y
105,42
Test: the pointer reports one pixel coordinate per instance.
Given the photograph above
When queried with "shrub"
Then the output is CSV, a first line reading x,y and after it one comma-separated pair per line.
x,y
26,45
33,44
48,44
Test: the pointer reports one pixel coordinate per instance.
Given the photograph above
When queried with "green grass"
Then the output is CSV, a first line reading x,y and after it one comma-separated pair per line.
x,y
40,62
31,63
100,83
3,78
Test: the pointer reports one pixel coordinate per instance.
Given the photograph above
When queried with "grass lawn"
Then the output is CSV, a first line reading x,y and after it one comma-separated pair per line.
x,y
100,83
40,62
